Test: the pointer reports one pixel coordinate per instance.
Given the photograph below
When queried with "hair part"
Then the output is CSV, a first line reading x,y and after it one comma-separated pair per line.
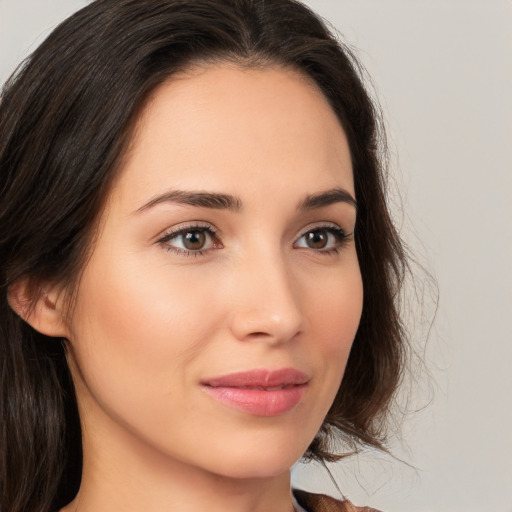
x,y
66,120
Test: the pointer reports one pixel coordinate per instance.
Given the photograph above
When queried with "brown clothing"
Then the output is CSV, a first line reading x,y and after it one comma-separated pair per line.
x,y
322,503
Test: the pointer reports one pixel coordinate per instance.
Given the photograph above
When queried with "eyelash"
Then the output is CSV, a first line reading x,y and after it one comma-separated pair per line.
x,y
339,234
341,238
197,228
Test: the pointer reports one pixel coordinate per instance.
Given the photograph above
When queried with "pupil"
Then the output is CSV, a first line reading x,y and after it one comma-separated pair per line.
x,y
317,240
194,240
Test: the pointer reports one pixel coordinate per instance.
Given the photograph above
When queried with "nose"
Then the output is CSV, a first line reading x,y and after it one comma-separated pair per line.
x,y
266,304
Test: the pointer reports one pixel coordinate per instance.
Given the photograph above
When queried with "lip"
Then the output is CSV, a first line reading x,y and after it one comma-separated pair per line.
x,y
259,392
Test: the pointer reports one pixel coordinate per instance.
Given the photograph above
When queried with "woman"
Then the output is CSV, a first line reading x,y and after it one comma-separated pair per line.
x,y
195,250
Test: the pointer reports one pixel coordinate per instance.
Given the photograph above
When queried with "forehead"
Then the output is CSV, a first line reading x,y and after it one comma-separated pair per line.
x,y
214,126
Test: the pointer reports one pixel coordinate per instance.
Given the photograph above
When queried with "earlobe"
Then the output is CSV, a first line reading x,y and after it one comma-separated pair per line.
x,y
40,306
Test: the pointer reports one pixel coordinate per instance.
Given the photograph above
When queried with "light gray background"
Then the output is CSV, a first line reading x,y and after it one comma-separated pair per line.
x,y
443,73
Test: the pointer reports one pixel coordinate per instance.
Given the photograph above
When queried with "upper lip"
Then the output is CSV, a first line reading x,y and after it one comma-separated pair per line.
x,y
259,379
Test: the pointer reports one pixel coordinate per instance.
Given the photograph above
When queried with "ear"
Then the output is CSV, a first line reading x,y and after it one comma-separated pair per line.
x,y
42,307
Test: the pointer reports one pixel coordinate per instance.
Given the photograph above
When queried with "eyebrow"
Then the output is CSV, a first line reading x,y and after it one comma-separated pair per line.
x,y
326,198
201,199
228,202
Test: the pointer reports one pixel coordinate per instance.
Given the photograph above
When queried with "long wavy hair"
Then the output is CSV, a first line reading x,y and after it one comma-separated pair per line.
x,y
66,118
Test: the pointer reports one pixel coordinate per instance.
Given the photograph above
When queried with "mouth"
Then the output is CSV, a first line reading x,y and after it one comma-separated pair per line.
x,y
259,392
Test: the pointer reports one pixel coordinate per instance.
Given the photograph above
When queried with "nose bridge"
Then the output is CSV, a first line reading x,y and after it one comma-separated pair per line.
x,y
267,304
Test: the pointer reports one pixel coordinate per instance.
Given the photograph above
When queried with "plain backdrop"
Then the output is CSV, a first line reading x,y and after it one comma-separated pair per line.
x,y
442,71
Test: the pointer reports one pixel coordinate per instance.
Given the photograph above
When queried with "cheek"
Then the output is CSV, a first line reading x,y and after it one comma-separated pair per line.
x,y
135,350
137,329
140,309
335,307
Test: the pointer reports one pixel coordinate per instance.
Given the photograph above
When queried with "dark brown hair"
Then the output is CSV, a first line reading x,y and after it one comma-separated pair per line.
x,y
65,119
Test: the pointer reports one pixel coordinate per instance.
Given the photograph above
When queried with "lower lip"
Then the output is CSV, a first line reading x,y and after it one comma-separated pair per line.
x,y
259,401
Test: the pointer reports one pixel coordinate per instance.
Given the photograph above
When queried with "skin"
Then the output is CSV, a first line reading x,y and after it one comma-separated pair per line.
x,y
153,320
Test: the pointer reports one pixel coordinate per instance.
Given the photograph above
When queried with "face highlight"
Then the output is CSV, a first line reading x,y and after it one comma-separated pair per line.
x,y
216,314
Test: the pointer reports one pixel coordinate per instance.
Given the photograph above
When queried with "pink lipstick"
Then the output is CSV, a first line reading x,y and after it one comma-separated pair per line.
x,y
260,392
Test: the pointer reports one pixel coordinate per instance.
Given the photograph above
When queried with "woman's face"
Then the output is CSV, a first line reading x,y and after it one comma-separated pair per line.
x,y
215,316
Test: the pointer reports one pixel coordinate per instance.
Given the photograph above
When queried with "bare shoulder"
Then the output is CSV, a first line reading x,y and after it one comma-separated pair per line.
x,y
322,503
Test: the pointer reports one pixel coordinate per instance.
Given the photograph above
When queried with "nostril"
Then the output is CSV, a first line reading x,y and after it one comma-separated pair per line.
x,y
276,320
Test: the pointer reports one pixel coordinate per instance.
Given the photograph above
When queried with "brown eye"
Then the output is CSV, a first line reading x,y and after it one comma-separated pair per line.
x,y
317,239
191,240
194,240
323,239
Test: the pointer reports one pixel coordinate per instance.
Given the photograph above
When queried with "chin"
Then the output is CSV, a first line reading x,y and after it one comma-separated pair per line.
x,y
256,461
263,469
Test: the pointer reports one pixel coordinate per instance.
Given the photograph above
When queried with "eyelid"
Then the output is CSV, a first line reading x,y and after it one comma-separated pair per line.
x,y
337,231
180,229
187,226
323,225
